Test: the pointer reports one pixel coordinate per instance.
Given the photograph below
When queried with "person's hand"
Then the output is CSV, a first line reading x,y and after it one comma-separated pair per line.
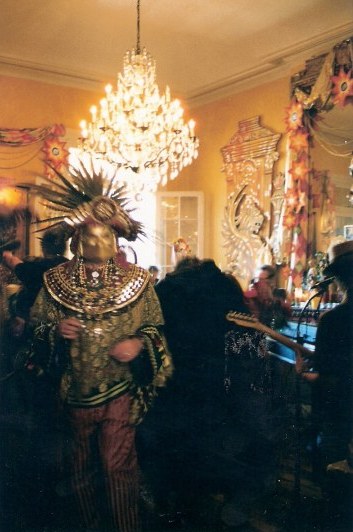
x,y
302,367
126,350
69,328
10,260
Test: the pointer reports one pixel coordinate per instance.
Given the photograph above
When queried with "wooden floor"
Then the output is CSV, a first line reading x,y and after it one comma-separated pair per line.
x,y
292,506
296,505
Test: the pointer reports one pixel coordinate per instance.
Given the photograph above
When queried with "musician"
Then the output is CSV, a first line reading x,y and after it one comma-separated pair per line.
x,y
333,391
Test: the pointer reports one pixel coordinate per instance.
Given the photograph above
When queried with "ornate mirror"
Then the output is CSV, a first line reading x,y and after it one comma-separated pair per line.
x,y
318,208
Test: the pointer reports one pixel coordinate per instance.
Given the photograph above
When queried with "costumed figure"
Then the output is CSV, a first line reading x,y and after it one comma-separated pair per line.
x,y
97,334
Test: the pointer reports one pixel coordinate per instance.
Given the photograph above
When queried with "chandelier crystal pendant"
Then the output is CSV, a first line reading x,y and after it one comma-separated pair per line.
x,y
138,130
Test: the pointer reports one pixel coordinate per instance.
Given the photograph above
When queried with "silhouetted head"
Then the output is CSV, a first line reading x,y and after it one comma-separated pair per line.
x,y
53,243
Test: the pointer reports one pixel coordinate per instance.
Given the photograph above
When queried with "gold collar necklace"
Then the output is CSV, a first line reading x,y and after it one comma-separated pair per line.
x,y
94,275
69,286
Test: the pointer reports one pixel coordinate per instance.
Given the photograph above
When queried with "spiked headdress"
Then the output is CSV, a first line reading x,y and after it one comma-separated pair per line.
x,y
87,193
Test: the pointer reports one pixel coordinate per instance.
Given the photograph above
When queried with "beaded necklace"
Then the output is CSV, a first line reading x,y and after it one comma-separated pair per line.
x,y
94,276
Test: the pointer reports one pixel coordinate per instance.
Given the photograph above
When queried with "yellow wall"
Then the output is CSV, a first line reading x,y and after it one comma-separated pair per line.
x,y
216,124
27,103
30,104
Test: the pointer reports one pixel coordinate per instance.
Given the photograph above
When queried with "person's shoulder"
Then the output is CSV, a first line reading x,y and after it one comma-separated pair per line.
x,y
163,283
172,285
336,314
55,261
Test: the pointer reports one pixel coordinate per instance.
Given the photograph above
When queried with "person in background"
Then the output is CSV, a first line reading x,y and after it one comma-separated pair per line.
x,y
333,390
154,272
30,273
10,219
186,444
265,302
30,400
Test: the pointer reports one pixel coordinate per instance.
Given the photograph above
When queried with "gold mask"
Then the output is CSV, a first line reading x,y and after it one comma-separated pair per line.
x,y
97,243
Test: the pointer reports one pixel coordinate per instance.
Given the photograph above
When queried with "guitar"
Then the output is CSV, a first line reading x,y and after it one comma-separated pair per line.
x,y
246,320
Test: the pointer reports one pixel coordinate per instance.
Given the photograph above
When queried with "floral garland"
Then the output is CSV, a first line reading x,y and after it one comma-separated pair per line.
x,y
55,153
295,218
24,137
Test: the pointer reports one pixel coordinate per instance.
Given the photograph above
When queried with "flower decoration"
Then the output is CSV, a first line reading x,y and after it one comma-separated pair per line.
x,y
299,141
58,130
24,137
294,116
294,202
55,152
301,201
342,87
299,169
291,199
289,219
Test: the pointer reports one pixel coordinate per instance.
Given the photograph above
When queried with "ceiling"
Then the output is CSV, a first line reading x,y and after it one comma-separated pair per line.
x,y
204,49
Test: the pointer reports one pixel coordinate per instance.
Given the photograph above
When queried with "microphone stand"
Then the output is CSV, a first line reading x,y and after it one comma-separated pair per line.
x,y
298,417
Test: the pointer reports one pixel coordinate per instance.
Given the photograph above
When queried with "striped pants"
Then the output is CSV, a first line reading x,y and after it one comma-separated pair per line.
x,y
104,443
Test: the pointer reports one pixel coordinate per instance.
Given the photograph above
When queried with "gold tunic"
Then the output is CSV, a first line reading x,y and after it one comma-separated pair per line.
x,y
108,314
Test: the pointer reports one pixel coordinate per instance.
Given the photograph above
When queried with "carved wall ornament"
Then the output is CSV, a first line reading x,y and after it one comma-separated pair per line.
x,y
277,201
246,249
248,164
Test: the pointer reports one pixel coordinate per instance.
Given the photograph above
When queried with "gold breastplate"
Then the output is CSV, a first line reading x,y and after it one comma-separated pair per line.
x,y
121,287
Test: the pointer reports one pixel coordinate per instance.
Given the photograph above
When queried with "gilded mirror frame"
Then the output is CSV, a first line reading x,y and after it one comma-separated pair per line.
x,y
309,221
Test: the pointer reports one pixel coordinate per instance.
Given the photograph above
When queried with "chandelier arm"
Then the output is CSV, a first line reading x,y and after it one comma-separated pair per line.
x,y
147,164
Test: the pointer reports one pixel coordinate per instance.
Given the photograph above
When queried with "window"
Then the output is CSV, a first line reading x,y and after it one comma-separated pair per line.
x,y
179,214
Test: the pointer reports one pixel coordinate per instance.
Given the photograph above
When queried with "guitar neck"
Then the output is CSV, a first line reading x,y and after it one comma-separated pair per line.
x,y
283,339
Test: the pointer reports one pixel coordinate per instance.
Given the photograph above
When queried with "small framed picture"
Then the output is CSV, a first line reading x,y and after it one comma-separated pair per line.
x,y
348,232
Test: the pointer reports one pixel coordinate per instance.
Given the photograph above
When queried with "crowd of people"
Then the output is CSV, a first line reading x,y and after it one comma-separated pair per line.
x,y
142,396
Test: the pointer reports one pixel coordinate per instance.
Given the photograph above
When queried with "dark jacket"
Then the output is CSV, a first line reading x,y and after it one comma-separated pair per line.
x,y
30,273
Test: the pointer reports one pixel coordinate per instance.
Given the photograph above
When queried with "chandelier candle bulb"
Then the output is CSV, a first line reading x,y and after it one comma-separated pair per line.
x,y
93,111
192,128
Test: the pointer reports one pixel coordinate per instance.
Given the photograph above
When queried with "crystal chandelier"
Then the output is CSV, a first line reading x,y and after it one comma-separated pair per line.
x,y
136,129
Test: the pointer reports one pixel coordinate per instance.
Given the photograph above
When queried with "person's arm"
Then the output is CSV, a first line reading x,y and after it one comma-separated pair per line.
x,y
150,360
49,344
146,350
10,260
